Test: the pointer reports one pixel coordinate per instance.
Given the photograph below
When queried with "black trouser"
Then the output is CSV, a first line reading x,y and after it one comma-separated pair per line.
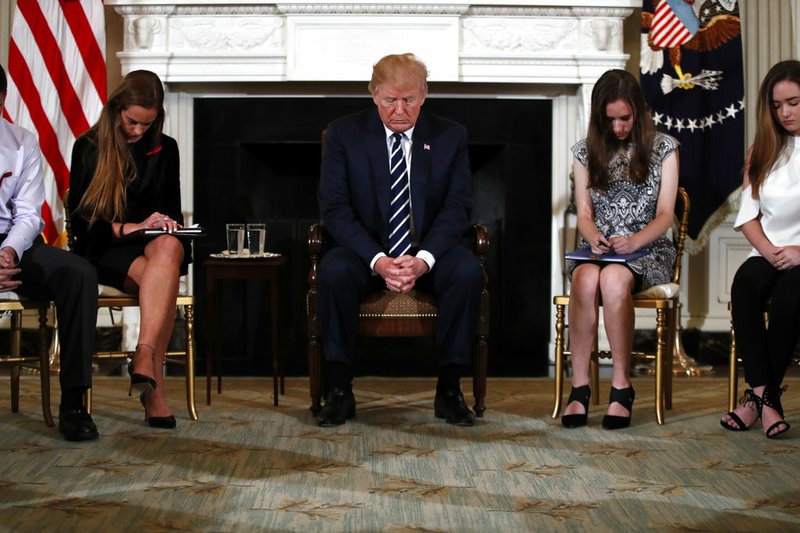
x,y
456,282
49,273
766,350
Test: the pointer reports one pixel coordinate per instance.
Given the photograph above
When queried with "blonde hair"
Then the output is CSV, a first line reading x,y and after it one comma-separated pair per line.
x,y
397,70
771,137
105,196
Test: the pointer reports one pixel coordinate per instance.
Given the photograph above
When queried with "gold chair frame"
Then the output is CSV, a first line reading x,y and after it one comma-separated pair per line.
x,y
15,359
666,309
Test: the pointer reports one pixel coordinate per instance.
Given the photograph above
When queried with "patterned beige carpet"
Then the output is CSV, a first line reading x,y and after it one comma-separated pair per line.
x,y
248,466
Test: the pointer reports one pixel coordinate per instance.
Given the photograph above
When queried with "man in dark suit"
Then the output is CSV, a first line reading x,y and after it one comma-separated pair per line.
x,y
361,203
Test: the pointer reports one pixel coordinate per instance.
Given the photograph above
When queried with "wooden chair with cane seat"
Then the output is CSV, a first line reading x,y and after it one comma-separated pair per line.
x,y
390,314
113,299
664,300
12,304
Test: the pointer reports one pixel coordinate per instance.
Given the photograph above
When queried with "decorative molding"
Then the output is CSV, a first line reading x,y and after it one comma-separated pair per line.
x,y
228,35
520,36
372,9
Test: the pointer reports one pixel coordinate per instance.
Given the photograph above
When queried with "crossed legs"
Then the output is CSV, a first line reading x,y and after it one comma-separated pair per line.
x,y
154,276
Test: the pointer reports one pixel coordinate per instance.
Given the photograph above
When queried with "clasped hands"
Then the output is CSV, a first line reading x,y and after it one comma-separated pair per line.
x,y
8,270
617,244
400,273
786,257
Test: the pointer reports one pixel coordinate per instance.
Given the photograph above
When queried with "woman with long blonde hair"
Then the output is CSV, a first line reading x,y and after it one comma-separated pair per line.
x,y
125,177
769,280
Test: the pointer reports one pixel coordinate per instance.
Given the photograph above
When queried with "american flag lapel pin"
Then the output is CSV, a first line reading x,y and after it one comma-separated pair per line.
x,y
426,146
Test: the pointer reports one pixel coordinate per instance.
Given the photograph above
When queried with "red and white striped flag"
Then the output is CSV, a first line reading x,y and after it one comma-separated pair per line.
x,y
56,86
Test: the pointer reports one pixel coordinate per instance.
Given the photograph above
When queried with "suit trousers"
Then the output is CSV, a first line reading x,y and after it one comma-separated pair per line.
x,y
49,273
766,350
456,283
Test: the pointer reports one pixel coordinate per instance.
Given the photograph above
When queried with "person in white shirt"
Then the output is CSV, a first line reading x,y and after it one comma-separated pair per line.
x,y
769,280
35,270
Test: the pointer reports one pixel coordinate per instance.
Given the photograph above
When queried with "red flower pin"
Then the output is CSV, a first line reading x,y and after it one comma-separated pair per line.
x,y
155,150
6,174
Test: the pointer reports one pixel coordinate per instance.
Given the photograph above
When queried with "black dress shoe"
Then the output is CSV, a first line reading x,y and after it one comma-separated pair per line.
x,y
451,406
76,424
339,406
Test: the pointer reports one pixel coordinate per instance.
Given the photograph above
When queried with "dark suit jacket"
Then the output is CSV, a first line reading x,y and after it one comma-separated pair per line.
x,y
355,184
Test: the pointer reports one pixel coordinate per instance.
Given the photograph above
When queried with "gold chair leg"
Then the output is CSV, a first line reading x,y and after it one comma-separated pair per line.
x,y
559,361
189,325
44,367
16,338
87,400
660,350
733,373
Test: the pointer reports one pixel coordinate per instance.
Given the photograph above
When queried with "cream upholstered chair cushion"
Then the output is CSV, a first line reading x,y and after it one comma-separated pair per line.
x,y
665,290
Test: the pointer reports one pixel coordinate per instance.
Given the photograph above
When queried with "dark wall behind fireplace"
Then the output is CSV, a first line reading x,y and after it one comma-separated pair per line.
x,y
257,159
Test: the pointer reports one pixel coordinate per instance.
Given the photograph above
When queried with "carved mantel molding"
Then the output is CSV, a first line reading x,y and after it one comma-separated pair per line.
x,y
247,41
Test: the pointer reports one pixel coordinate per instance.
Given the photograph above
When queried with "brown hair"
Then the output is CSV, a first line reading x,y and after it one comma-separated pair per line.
x,y
398,69
616,85
771,137
105,196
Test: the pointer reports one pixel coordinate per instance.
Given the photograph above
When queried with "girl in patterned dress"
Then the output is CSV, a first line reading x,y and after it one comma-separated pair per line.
x,y
626,181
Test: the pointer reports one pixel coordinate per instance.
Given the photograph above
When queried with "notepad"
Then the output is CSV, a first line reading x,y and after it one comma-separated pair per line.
x,y
190,232
586,254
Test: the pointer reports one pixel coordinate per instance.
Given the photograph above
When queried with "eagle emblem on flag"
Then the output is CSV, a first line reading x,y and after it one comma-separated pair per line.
x,y
698,26
692,79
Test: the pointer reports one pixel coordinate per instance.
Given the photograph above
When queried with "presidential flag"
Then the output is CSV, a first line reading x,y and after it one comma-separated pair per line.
x,y
56,86
691,75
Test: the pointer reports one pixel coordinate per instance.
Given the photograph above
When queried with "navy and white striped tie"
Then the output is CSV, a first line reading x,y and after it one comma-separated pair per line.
x,y
400,206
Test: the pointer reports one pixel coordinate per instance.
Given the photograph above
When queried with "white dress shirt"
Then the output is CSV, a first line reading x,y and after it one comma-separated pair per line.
x,y
21,187
407,142
779,202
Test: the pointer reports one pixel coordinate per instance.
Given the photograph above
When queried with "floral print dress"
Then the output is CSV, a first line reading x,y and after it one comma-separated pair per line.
x,y
625,208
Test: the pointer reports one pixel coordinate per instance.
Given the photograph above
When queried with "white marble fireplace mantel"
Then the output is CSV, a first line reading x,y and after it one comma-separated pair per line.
x,y
552,49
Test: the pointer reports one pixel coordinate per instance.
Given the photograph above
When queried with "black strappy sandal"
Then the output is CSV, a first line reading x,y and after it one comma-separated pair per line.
x,y
772,398
625,398
578,394
748,397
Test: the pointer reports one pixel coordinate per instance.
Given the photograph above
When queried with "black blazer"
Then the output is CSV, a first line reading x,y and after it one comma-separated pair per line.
x,y
157,188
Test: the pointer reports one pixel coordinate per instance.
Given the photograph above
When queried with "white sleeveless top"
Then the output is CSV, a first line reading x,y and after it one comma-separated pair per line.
x,y
779,202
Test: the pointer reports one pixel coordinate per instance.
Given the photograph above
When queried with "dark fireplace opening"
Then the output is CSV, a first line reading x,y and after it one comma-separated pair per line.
x,y
257,160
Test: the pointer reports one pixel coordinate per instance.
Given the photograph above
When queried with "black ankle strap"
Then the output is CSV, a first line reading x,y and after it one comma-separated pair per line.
x,y
624,397
580,394
772,398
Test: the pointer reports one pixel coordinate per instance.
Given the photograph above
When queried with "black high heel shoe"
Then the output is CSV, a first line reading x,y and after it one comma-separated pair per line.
x,y
578,394
140,382
748,397
772,398
625,398
161,422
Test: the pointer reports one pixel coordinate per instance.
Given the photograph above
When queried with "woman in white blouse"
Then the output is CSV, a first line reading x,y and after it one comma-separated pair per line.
x,y
769,280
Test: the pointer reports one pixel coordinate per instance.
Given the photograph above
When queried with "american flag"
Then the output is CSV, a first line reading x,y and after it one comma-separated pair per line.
x,y
56,86
673,23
